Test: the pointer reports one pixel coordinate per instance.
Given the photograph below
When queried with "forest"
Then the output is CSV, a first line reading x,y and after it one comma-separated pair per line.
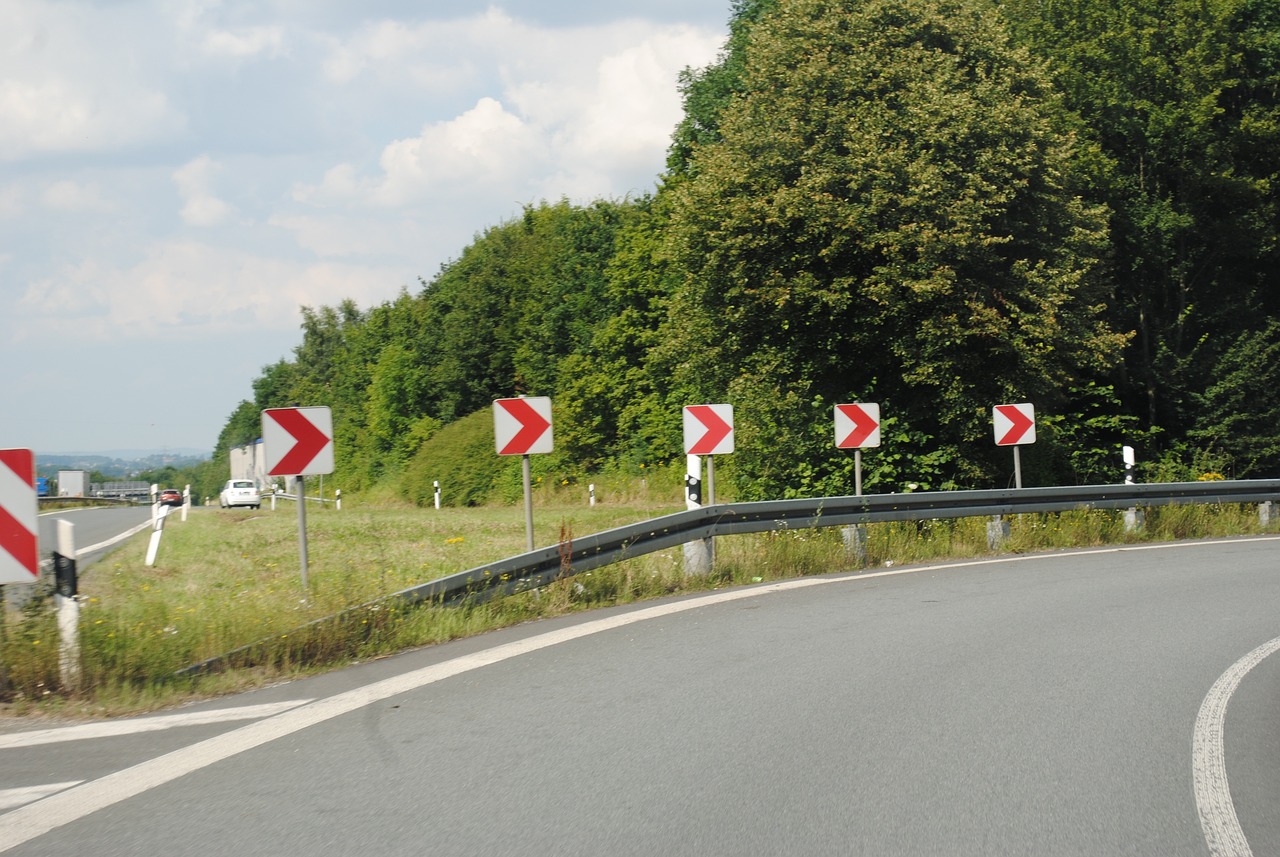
x,y
935,205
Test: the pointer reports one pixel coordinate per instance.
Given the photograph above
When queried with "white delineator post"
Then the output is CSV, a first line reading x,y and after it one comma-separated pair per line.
x,y
68,608
697,553
1134,519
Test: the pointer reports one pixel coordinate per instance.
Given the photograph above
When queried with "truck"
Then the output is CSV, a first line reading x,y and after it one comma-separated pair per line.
x,y
73,483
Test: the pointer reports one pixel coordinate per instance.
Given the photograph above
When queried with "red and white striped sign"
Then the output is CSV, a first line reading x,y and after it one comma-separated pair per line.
x,y
19,551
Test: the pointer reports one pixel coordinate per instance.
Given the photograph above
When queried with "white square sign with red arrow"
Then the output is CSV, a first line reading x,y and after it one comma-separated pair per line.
x,y
297,441
522,426
857,425
19,551
708,429
1014,425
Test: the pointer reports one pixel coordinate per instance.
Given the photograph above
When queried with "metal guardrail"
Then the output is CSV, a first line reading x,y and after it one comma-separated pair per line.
x,y
539,567
542,566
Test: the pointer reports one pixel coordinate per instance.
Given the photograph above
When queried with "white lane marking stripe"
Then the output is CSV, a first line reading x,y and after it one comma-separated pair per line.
x,y
1218,820
113,540
24,824
10,798
109,728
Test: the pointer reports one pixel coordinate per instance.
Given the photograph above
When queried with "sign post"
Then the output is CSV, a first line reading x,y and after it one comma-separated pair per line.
x,y
708,430
857,426
523,427
298,442
1014,426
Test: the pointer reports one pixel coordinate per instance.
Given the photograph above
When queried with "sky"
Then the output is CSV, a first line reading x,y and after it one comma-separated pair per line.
x,y
179,177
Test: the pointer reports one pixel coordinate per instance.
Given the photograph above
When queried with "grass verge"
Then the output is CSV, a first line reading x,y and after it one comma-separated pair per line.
x,y
229,579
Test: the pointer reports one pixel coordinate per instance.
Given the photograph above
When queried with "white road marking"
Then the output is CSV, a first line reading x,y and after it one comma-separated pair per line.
x,y
1218,819
10,798
26,823
108,728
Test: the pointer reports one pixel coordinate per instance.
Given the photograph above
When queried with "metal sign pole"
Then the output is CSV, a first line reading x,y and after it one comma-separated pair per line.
x,y
302,529
857,472
528,502
1017,467
711,499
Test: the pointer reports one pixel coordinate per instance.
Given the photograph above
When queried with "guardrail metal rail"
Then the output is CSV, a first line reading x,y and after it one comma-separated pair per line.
x,y
542,566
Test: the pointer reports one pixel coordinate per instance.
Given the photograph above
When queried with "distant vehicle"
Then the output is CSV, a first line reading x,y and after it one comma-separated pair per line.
x,y
169,497
240,492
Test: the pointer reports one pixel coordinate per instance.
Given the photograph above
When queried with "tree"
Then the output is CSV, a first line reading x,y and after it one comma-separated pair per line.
x,y
892,209
1183,97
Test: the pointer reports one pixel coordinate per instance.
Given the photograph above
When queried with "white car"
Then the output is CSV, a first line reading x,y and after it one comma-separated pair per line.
x,y
240,492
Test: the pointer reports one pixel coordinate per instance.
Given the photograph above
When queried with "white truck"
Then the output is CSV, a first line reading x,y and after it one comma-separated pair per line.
x,y
73,483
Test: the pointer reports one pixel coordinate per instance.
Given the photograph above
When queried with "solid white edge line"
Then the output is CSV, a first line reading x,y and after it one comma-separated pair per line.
x,y
26,823
1218,820
133,726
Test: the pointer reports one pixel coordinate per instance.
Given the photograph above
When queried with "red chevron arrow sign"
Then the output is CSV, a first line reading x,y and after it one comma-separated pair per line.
x,y
523,426
708,429
19,551
297,441
857,425
1014,425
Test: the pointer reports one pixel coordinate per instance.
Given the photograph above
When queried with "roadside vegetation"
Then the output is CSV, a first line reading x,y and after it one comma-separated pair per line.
x,y
228,583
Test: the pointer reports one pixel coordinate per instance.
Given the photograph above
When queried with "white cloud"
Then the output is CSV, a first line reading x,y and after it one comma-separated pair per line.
x,y
70,196
201,207
185,289
575,113
245,42
69,84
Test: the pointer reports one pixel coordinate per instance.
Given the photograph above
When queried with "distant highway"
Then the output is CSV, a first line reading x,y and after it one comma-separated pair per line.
x,y
93,526
1117,701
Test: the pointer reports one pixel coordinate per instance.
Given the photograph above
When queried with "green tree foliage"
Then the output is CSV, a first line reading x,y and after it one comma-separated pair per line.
x,y
1238,413
938,205
892,209
1182,95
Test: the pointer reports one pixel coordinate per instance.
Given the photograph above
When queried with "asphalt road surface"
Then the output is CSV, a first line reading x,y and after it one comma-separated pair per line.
x,y
1111,702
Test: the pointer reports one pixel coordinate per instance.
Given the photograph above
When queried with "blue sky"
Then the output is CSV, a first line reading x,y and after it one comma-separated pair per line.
x,y
178,177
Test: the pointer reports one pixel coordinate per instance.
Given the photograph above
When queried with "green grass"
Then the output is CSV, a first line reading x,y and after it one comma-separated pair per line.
x,y
231,579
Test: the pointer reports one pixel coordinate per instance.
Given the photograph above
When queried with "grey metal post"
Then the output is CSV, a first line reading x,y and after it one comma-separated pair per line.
x,y
711,501
854,536
302,530
528,502
1017,466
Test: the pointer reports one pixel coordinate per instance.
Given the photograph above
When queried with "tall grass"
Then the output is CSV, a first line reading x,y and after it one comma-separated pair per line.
x,y
230,581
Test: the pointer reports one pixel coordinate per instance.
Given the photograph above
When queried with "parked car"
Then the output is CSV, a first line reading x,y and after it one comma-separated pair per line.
x,y
240,492
169,497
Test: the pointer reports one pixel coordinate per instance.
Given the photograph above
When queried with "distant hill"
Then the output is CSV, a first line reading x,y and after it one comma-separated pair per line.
x,y
119,462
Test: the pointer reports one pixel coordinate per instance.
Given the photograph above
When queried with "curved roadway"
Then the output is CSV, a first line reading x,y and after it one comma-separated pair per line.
x,y
1060,704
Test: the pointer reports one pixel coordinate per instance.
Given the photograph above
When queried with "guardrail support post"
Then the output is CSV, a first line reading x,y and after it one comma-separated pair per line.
x,y
855,543
997,532
1134,519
